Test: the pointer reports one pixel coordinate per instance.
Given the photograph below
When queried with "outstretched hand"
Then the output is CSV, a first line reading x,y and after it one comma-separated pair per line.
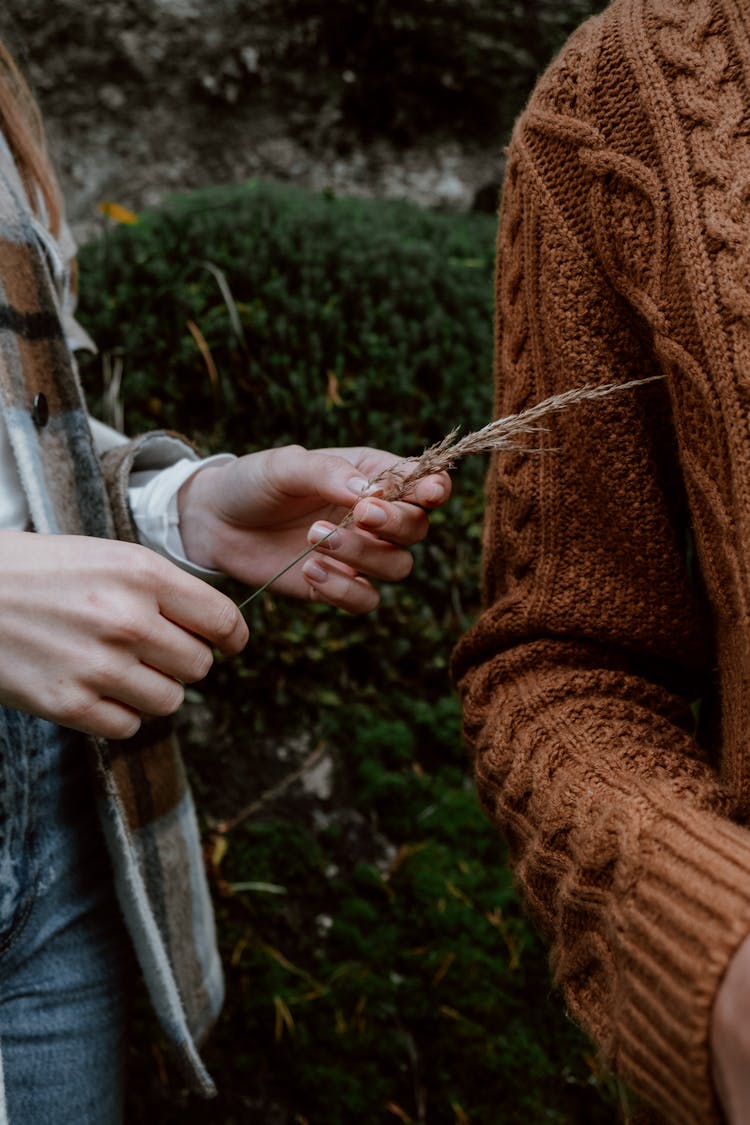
x,y
250,517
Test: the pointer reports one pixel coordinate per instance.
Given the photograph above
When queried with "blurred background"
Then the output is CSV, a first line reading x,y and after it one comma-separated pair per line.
x,y
287,216
411,99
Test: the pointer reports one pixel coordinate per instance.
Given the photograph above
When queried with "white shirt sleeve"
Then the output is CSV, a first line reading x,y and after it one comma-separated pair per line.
x,y
152,494
152,497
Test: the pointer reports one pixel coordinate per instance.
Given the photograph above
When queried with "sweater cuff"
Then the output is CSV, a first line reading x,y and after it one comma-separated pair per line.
x,y
155,450
683,921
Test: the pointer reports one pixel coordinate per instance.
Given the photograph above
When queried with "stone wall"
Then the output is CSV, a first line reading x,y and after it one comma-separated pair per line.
x,y
141,99
409,98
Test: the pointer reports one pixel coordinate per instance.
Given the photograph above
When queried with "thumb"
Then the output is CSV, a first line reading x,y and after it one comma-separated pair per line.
x,y
332,478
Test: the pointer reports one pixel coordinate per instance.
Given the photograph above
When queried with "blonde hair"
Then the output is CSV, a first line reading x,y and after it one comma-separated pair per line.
x,y
21,124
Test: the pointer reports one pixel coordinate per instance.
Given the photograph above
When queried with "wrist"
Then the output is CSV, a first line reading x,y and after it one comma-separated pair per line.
x,y
199,526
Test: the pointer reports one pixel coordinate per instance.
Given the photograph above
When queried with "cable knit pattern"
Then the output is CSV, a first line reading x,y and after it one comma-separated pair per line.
x,y
624,251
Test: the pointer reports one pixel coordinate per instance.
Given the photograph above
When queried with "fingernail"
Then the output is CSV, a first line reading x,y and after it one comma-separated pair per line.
x,y
332,538
372,516
315,572
358,486
432,492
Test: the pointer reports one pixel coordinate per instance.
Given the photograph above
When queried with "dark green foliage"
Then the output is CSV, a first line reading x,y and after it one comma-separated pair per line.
x,y
451,65
398,954
392,302
368,69
382,300
379,965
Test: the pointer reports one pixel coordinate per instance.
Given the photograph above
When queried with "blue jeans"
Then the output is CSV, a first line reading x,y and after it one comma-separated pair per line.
x,y
64,956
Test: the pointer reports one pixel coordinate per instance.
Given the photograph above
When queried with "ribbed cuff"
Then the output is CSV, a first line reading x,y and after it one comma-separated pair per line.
x,y
681,924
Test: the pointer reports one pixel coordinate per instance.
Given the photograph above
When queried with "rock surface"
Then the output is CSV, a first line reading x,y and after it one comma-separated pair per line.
x,y
143,99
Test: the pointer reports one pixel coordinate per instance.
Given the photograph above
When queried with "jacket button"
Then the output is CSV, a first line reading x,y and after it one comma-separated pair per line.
x,y
40,410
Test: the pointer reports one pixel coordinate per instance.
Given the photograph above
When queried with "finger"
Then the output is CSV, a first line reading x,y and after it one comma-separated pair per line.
x,y
340,587
176,653
363,552
102,718
430,492
328,476
114,703
396,522
114,721
148,691
141,687
340,486
196,607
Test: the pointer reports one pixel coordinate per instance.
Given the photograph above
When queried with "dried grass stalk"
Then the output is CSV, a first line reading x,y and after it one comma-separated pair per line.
x,y
502,434
498,436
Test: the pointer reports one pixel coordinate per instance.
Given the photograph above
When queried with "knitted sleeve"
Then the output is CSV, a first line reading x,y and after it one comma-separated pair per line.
x,y
582,677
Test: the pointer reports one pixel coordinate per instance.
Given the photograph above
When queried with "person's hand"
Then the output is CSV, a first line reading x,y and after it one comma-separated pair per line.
x,y
95,634
250,517
730,1038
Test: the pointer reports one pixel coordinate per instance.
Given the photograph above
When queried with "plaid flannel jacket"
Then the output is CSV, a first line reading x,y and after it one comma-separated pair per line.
x,y
146,805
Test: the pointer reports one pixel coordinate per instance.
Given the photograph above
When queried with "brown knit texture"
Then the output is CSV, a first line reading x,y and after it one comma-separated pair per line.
x,y
624,252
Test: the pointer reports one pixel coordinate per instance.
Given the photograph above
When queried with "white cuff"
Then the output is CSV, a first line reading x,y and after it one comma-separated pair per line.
x,y
152,496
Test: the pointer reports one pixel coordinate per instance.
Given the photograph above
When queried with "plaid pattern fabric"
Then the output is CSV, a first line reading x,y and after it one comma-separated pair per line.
x,y
147,811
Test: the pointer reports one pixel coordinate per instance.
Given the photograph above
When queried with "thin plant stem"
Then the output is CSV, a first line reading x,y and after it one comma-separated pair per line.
x,y
496,437
225,826
298,558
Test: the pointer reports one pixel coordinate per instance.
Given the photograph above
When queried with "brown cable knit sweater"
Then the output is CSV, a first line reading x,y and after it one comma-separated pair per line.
x,y
618,560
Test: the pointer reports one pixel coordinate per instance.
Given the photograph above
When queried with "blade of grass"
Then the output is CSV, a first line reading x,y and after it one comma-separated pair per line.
x,y
298,558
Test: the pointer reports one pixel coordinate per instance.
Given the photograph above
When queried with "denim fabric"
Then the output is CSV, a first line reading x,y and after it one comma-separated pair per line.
x,y
64,956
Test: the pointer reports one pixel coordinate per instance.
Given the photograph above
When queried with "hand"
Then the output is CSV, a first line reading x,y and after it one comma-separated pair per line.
x,y
730,1038
250,517
95,633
